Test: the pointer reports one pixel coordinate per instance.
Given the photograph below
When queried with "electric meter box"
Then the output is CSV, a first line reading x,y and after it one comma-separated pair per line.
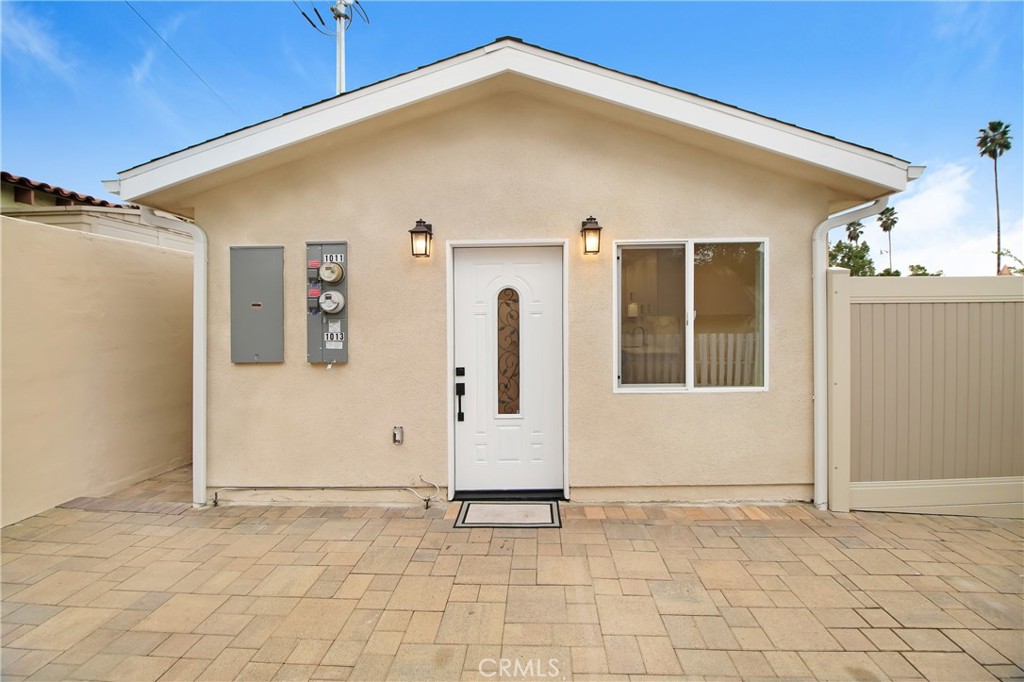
x,y
257,304
326,302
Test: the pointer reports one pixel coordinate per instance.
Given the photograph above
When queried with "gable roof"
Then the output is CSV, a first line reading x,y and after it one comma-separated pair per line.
x,y
886,173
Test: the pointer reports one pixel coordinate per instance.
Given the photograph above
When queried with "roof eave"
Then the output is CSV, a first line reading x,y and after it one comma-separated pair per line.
x,y
510,55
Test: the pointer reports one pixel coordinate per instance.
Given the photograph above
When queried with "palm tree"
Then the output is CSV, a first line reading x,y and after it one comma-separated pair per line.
x,y
854,230
992,142
887,220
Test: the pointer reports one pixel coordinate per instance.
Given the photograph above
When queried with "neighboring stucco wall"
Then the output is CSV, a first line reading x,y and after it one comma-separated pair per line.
x,y
509,167
123,223
96,364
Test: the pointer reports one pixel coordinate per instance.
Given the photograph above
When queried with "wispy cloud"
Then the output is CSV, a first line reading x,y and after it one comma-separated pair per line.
x,y
963,21
970,26
300,67
141,69
152,88
27,37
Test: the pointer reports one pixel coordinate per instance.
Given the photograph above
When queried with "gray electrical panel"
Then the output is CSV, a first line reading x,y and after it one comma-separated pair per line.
x,y
257,304
327,301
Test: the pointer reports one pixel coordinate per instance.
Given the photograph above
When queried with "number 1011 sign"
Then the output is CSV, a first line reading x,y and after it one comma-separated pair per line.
x,y
327,302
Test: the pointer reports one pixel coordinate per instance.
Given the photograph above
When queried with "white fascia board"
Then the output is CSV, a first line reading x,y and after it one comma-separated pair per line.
x,y
540,65
298,126
715,118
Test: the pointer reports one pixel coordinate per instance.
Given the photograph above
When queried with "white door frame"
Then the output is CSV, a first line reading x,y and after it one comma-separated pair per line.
x,y
450,376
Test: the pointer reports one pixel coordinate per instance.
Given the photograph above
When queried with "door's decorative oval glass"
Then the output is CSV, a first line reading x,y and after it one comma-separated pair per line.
x,y
508,351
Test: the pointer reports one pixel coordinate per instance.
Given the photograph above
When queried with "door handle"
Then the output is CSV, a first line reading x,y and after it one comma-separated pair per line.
x,y
460,390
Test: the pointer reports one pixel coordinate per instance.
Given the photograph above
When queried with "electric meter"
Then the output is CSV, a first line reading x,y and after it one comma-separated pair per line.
x,y
331,302
327,302
332,273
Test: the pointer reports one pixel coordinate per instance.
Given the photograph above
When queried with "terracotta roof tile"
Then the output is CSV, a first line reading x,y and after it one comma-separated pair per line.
x,y
78,199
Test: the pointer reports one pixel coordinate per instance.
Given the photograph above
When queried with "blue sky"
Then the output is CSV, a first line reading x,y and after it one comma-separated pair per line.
x,y
88,90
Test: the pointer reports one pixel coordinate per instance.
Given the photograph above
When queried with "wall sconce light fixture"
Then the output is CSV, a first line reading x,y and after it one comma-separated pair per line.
x,y
591,232
421,236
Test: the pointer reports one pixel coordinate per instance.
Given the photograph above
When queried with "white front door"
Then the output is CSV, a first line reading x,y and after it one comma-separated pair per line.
x,y
508,352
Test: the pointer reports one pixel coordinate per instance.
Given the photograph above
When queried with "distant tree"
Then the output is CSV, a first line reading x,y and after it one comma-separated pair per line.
x,y
992,142
887,220
922,271
854,231
855,258
889,272
1017,269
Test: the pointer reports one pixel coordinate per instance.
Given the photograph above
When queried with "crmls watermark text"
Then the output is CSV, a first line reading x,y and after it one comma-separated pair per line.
x,y
513,667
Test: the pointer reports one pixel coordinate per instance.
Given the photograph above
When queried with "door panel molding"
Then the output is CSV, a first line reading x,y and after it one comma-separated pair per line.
x,y
481,275
451,246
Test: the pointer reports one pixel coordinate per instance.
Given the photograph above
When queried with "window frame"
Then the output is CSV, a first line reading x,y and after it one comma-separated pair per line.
x,y
688,246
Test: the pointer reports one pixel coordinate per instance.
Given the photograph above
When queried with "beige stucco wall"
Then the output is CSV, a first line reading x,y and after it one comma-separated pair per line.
x,y
507,167
96,364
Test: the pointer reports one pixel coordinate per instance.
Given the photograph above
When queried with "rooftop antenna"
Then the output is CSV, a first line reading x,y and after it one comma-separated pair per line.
x,y
342,10
342,18
342,15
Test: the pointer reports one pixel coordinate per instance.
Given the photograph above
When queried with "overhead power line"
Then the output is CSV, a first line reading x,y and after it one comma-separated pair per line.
x,y
182,59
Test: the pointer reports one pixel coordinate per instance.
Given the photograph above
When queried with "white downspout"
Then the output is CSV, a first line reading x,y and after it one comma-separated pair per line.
x,y
200,243
819,264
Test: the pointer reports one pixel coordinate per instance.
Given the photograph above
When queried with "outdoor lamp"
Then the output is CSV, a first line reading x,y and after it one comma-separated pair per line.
x,y
421,236
591,232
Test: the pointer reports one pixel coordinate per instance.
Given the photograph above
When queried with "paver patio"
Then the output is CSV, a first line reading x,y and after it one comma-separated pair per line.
x,y
142,587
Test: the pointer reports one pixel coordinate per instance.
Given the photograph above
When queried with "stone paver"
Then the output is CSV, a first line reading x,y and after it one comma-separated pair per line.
x,y
139,586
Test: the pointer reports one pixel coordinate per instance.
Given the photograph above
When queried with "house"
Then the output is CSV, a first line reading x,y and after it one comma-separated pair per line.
x,y
39,202
621,295
19,193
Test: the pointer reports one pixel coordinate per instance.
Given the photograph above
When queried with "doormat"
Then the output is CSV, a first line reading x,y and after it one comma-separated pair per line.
x,y
520,514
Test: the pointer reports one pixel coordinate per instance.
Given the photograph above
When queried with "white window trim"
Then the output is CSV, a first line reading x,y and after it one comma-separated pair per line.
x,y
688,244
